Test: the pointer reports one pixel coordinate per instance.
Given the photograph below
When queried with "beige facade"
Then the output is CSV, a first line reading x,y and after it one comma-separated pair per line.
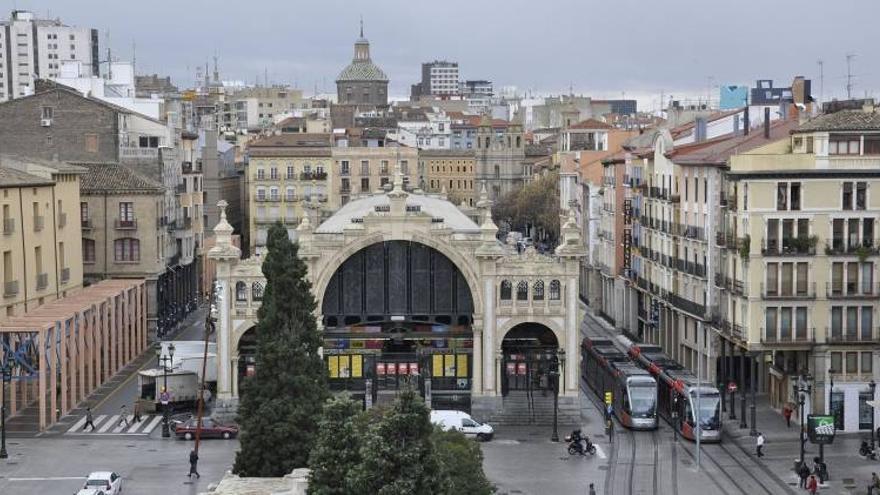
x,y
40,240
288,178
451,171
363,170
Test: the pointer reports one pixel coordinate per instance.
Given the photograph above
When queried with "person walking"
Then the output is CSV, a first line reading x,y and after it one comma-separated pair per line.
x,y
136,410
875,484
803,474
193,464
123,413
592,489
786,412
759,445
812,484
89,420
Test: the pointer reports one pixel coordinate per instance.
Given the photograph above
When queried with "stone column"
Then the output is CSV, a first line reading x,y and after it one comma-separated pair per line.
x,y
477,383
489,335
571,338
224,389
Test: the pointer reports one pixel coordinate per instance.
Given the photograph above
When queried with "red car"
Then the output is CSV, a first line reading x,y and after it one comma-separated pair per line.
x,y
210,429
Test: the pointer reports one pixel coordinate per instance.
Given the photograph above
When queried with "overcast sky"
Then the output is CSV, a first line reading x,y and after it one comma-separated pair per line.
x,y
600,48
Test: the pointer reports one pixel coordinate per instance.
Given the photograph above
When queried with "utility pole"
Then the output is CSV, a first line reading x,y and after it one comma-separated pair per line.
x,y
821,65
849,75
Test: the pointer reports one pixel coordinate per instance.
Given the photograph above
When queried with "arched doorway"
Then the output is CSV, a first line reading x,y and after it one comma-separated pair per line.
x,y
528,351
399,311
247,351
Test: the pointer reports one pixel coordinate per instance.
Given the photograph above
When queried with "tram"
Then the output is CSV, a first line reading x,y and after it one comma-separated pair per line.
x,y
681,401
633,389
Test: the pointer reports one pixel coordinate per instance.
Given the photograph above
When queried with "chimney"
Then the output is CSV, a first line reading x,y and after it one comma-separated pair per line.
x,y
746,124
766,122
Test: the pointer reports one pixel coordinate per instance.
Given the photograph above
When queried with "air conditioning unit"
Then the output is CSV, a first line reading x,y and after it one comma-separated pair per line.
x,y
46,122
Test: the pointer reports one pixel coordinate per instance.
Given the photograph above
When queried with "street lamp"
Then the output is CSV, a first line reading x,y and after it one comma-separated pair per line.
x,y
554,382
799,391
753,367
873,386
165,362
6,371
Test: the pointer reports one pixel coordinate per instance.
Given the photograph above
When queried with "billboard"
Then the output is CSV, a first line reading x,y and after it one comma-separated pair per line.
x,y
820,429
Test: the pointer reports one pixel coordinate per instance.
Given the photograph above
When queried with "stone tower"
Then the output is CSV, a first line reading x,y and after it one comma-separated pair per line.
x,y
362,83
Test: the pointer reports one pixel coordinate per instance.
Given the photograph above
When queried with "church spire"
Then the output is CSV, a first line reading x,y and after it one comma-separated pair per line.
x,y
362,26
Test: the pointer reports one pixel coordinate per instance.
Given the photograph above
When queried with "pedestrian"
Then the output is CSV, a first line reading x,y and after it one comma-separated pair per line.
x,y
89,420
123,413
812,485
875,484
592,489
759,445
803,473
786,411
193,464
136,410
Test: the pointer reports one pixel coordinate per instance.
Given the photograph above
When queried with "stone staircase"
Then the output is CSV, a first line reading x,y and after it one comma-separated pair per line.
x,y
518,411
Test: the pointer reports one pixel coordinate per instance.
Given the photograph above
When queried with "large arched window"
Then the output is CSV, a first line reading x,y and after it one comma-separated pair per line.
x,y
240,291
538,291
522,291
555,289
257,291
506,290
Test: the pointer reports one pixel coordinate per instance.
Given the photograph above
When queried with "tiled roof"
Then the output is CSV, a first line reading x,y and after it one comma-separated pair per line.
x,y
362,70
115,177
718,150
10,177
844,120
591,124
298,140
22,163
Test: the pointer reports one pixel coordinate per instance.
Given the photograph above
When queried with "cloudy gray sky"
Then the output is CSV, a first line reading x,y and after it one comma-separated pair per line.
x,y
601,48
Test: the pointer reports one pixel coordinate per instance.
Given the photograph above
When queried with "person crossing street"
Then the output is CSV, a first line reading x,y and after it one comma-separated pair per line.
x,y
89,420
759,445
136,410
123,416
193,464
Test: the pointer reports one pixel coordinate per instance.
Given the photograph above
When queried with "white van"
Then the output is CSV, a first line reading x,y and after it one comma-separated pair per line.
x,y
463,422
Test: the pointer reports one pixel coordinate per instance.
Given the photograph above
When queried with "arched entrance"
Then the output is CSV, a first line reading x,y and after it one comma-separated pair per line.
x,y
528,350
247,350
399,311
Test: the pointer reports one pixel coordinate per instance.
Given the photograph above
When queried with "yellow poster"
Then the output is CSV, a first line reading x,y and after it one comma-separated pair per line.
x,y
437,365
333,364
461,367
344,368
449,366
357,368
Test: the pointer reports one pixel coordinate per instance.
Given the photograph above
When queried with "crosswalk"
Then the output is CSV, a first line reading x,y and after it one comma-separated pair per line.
x,y
114,425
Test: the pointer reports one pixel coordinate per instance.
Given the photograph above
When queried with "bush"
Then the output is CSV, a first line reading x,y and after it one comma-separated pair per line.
x,y
461,464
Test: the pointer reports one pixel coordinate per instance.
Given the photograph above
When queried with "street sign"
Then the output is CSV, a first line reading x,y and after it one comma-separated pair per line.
x,y
731,387
820,429
608,397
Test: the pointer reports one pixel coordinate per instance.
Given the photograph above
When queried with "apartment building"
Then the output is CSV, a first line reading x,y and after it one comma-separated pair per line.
x,y
288,177
362,170
452,172
35,48
798,278
40,241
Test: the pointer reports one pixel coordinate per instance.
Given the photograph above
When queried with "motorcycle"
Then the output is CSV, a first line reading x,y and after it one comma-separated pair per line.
x,y
579,444
865,450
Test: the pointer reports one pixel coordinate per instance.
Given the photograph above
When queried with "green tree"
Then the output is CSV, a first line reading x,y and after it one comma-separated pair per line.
x,y
398,453
534,205
280,405
336,453
461,464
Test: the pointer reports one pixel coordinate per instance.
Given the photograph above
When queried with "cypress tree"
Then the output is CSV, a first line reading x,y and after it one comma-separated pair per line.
x,y
280,405
336,453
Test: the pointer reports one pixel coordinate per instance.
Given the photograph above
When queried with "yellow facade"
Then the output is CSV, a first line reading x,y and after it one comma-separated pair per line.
x,y
452,171
362,170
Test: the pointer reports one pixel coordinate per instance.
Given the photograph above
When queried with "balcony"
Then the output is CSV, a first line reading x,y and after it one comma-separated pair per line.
x,y
65,275
852,291
42,281
290,198
313,176
180,189
320,198
800,336
691,307
8,226
838,247
189,168
675,198
138,153
62,220
187,222
86,224
838,336
10,288
794,292
793,246
733,330
39,223
345,172
726,239
130,224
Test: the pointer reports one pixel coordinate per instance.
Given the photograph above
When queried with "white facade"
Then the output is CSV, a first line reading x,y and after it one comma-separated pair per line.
x,y
37,48
443,78
435,133
116,87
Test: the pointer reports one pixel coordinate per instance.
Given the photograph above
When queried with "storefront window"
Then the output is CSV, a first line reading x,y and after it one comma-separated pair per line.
x,y
837,409
865,411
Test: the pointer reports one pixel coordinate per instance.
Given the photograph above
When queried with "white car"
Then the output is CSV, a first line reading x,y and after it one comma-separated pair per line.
x,y
107,482
90,491
463,422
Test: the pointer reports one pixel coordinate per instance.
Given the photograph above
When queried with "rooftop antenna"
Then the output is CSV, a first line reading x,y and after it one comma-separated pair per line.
x,y
133,56
821,65
362,25
216,70
849,75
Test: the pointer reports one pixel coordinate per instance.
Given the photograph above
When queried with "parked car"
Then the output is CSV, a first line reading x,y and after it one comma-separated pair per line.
x,y
90,491
210,429
107,482
463,422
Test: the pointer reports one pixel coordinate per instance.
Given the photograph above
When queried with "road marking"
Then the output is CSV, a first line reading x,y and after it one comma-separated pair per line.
x,y
136,426
600,453
152,425
53,478
79,424
110,422
123,421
